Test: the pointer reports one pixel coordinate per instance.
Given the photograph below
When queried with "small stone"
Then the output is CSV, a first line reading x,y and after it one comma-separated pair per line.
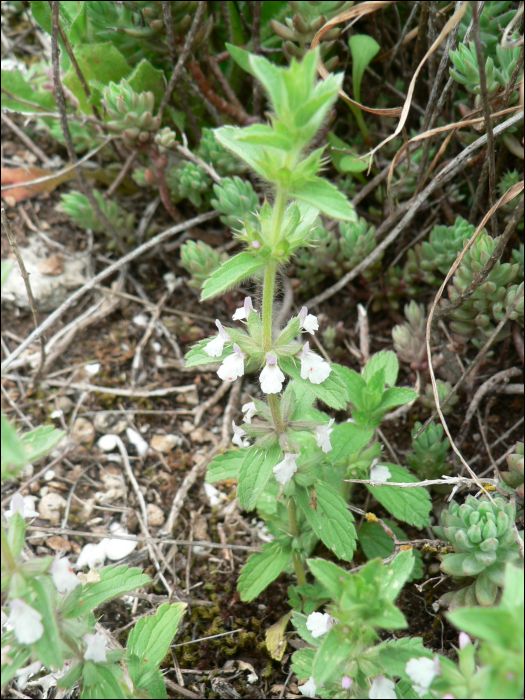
x,y
83,432
53,265
164,443
50,507
200,435
191,398
58,543
187,427
155,515
65,404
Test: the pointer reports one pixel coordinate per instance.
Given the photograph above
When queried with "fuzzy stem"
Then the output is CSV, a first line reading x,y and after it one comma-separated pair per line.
x,y
7,555
294,532
275,408
267,308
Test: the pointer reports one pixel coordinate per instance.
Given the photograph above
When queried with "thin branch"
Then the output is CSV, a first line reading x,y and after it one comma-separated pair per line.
x,y
77,69
39,153
449,480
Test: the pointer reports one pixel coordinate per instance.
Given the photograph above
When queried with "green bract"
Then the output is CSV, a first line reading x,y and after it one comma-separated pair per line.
x,y
484,541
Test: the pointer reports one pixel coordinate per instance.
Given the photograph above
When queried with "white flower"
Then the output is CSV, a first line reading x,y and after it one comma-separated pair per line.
x,y
244,311
322,434
286,469
422,672
25,505
96,648
138,442
116,548
313,367
308,321
63,575
233,366
92,555
24,673
271,377
382,689
379,472
249,411
214,495
215,347
238,433
318,623
92,369
309,688
26,621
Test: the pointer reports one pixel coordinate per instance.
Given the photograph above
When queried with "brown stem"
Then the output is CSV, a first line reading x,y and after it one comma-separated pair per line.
x,y
159,164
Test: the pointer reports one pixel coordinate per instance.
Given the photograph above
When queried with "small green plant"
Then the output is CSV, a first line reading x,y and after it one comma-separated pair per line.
x,y
410,338
484,539
514,476
237,201
200,260
429,458
443,389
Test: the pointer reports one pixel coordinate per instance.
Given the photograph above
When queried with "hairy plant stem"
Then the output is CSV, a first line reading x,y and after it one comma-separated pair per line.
x,y
294,532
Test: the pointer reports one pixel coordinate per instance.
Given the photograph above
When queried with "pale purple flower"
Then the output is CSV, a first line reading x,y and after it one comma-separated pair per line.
x,y
464,640
379,472
271,377
24,505
249,411
23,674
309,688
26,621
346,682
243,312
318,624
422,672
308,321
313,367
233,366
286,469
322,434
215,347
238,434
96,648
382,689
63,575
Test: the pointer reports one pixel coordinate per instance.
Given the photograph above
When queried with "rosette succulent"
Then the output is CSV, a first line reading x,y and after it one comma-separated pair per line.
x,y
514,476
224,162
188,181
484,541
131,114
444,389
466,70
200,260
475,318
357,242
76,205
429,459
409,338
494,17
237,201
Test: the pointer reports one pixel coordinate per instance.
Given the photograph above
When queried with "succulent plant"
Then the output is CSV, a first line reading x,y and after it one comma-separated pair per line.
x,y
182,16
165,138
321,259
200,260
84,136
429,459
77,207
300,30
514,477
357,242
131,114
518,257
188,181
236,200
444,389
466,70
494,17
484,541
475,318
409,338
224,162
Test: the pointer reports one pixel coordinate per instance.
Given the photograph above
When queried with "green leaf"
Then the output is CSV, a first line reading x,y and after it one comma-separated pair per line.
x,y
355,385
256,469
302,662
302,399
397,574
241,57
374,541
411,505
48,647
113,582
261,569
332,391
145,78
14,82
363,49
197,356
394,654
513,591
100,63
320,193
7,266
397,396
19,657
330,575
299,621
101,681
13,453
231,273
385,360
40,442
335,650
16,534
225,466
332,522
347,439
342,162
150,639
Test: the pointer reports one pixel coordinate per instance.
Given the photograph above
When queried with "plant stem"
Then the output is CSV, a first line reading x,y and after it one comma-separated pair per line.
x,y
267,309
294,532
7,555
273,402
